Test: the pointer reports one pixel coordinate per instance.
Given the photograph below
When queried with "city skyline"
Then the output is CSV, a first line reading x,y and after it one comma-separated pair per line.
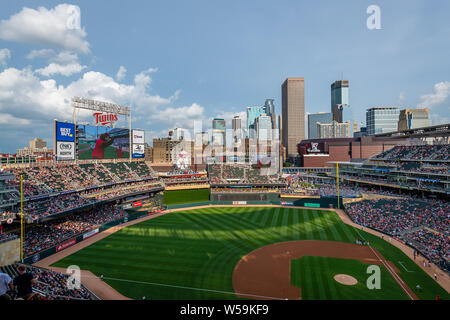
x,y
167,88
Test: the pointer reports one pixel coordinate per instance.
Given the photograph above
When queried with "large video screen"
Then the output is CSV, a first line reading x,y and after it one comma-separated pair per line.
x,y
103,142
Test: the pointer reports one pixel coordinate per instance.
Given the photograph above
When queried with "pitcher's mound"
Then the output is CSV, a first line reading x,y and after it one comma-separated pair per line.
x,y
345,279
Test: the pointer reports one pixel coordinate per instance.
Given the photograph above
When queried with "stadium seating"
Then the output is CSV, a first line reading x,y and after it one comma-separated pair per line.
x,y
51,285
422,223
42,236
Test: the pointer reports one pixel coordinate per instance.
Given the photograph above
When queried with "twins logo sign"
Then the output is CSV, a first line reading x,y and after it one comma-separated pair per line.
x,y
104,119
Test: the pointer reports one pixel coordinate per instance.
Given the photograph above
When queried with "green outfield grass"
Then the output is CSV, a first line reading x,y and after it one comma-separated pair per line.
x,y
186,196
160,258
315,276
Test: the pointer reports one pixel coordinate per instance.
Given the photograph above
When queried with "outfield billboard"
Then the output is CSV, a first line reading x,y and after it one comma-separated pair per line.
x,y
103,142
65,131
138,144
65,150
64,139
138,151
138,136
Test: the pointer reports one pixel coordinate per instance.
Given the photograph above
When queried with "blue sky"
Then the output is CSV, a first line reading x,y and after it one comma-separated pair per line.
x,y
193,60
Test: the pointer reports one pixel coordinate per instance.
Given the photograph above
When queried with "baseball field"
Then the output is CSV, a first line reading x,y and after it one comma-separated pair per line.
x,y
250,253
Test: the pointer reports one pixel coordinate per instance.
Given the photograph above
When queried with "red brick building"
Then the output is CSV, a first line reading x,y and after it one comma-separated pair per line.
x,y
318,152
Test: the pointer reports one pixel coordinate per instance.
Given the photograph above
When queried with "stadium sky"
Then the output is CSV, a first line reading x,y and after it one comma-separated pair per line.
x,y
179,61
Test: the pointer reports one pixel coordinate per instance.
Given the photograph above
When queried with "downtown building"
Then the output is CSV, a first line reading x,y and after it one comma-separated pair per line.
x,y
340,105
382,120
333,129
413,118
293,114
313,119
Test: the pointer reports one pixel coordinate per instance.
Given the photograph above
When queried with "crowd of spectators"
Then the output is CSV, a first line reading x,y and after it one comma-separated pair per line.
x,y
434,245
54,205
305,184
240,174
7,237
417,152
408,219
49,234
41,180
33,283
110,193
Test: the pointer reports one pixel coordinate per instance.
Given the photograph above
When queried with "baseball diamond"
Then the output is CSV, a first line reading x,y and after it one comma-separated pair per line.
x,y
214,252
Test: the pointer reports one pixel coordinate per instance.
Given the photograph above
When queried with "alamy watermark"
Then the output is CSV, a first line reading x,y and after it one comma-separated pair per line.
x,y
74,280
74,18
374,280
374,20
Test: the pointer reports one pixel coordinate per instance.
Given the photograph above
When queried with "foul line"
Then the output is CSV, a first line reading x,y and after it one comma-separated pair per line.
x,y
390,270
400,262
183,287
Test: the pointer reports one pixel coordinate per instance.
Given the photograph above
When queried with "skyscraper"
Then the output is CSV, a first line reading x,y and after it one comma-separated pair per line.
x,y
293,113
340,104
252,114
322,117
236,127
263,126
218,135
381,120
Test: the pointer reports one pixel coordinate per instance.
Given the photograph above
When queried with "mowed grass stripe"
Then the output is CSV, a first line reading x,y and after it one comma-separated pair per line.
x,y
330,283
200,248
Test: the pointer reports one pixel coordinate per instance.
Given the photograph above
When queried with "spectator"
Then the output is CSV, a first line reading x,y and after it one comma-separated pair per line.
x,y
23,283
5,285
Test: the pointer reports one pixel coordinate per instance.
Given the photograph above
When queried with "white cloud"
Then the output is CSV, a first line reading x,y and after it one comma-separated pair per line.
x,y
64,63
24,95
59,27
5,55
43,53
440,94
121,73
28,104
180,117
6,119
65,70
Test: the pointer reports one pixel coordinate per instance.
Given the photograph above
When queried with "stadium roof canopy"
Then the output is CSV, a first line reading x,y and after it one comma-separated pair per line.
x,y
442,130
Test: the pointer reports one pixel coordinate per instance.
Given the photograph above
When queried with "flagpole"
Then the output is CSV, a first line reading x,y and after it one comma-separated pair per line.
x,y
21,218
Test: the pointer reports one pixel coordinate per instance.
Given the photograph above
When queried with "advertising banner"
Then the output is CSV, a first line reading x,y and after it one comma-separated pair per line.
x,y
90,233
65,150
65,245
138,136
138,151
239,202
137,204
103,143
65,132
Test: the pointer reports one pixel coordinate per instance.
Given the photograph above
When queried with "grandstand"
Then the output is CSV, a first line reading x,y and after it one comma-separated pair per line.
x,y
422,223
422,168
52,285
65,203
